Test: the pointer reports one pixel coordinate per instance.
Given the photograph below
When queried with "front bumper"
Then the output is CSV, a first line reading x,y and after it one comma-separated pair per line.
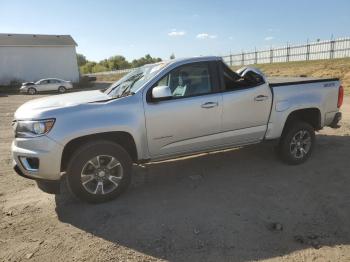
x,y
48,186
45,150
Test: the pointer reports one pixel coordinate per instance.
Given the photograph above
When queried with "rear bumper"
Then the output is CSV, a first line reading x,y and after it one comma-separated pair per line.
x,y
336,120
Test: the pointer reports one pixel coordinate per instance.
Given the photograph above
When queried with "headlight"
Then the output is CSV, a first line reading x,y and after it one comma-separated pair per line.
x,y
33,128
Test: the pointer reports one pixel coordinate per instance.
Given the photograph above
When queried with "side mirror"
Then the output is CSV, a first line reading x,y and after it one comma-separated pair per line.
x,y
161,92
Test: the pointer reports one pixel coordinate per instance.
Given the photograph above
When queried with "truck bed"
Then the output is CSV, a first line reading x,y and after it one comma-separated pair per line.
x,y
283,81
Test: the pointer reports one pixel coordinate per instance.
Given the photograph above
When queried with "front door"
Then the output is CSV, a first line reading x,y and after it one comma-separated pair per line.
x,y
191,120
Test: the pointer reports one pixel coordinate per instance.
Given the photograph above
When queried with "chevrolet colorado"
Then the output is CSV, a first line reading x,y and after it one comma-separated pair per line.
x,y
166,110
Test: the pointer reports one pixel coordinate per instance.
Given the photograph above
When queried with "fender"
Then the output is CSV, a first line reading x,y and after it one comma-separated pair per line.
x,y
123,115
282,109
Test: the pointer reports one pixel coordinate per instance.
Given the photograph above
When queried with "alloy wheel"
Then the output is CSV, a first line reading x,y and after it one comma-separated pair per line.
x,y
101,175
300,144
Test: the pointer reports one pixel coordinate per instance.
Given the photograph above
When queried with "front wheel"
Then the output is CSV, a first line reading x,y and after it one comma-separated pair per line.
x,y
99,171
61,89
31,91
297,143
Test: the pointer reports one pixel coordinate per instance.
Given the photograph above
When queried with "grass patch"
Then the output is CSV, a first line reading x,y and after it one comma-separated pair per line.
x,y
109,78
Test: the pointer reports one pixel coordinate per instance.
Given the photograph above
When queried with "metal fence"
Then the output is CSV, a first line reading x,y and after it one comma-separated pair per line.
x,y
338,48
329,49
114,72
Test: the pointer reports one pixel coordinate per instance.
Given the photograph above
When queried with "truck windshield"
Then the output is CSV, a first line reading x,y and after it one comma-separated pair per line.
x,y
131,82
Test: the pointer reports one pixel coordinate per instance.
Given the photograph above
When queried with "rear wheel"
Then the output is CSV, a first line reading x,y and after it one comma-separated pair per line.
x,y
297,143
61,89
99,171
31,91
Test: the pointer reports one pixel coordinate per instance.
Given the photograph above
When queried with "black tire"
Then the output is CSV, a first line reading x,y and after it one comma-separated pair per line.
x,y
61,89
287,145
81,159
31,91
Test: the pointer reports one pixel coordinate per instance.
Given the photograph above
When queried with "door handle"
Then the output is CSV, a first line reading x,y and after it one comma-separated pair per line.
x,y
261,98
209,104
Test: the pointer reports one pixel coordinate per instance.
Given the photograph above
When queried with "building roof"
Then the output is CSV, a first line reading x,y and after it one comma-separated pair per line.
x,y
36,40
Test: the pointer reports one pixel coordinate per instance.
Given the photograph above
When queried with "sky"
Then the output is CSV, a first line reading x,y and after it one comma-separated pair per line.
x,y
134,28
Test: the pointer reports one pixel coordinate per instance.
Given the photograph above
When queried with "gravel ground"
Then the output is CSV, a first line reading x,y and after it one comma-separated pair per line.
x,y
235,205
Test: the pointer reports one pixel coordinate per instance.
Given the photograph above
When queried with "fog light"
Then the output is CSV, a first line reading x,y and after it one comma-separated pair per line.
x,y
30,163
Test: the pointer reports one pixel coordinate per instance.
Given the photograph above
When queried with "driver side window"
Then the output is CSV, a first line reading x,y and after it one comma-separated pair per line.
x,y
188,80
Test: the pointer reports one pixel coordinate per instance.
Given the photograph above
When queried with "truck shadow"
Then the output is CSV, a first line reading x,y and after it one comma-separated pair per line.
x,y
237,205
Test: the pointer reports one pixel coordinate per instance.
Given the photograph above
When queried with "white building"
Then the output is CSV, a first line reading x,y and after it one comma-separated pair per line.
x,y
27,58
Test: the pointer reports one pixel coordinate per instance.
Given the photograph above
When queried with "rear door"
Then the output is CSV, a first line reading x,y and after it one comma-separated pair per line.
x,y
43,85
191,120
53,84
246,107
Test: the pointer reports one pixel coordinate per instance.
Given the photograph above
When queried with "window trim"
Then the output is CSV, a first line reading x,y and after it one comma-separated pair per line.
x,y
213,76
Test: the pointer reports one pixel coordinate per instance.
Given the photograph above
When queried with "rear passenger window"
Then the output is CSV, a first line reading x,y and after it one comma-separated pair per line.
x,y
234,81
188,80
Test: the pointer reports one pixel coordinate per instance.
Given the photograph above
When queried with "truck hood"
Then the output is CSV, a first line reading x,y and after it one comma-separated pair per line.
x,y
34,107
28,84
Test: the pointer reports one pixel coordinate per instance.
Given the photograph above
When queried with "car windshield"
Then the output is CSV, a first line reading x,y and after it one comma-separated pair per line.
x,y
131,82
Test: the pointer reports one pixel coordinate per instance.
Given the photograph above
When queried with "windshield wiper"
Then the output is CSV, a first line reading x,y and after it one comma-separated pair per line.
x,y
128,93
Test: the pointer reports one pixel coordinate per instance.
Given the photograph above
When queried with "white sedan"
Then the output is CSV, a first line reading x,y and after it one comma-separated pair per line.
x,y
48,84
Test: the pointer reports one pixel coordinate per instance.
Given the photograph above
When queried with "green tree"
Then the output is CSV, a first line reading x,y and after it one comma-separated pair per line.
x,y
104,63
147,59
87,68
99,68
81,59
117,62
172,56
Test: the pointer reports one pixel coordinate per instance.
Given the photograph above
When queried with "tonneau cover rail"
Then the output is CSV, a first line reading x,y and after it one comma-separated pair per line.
x,y
284,82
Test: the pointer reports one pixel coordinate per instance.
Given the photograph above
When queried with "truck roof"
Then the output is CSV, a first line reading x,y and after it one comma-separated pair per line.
x,y
195,59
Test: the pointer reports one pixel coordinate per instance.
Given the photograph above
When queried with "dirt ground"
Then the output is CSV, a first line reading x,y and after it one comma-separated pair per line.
x,y
237,205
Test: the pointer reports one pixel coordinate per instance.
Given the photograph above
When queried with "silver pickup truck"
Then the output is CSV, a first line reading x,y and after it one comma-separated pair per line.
x,y
161,111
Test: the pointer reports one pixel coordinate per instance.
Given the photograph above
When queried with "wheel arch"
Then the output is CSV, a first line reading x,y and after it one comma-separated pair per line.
x,y
124,139
310,115
34,88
